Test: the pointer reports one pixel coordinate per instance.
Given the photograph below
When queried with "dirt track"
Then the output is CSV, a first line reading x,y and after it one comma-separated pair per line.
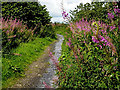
x,y
35,70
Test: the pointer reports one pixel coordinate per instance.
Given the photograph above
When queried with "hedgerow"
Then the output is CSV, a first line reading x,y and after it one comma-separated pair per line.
x,y
90,55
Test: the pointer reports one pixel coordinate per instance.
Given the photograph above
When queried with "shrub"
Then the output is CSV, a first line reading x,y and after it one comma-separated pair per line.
x,y
90,60
94,10
48,31
13,33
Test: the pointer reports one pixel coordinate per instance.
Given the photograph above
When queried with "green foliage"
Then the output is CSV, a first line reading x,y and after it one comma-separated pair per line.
x,y
14,64
93,10
13,33
32,13
94,68
47,31
60,29
22,21
90,53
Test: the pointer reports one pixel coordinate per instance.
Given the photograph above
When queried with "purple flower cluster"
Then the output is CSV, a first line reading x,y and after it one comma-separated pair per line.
x,y
110,15
14,30
69,42
80,26
65,16
84,25
94,39
104,41
112,28
116,10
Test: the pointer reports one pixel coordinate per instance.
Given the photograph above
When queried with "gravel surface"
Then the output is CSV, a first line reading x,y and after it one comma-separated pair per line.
x,y
47,77
40,71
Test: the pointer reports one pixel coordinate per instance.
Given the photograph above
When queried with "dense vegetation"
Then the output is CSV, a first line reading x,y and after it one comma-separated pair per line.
x,y
15,64
26,31
32,13
35,22
90,56
90,52
94,10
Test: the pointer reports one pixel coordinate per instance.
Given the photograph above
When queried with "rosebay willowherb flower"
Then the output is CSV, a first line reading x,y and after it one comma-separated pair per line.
x,y
46,86
110,15
54,60
116,10
14,32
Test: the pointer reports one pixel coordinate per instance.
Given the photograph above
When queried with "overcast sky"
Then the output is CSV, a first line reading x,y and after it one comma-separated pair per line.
x,y
54,7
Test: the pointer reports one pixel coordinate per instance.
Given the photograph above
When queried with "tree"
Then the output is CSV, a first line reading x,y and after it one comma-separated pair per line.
x,y
32,13
93,10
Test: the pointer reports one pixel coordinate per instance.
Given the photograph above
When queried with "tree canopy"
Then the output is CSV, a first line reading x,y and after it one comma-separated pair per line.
x,y
32,13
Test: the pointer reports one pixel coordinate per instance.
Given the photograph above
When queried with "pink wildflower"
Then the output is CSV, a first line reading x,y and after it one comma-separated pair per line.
x,y
99,46
94,39
110,15
83,19
112,28
66,33
76,56
69,39
69,44
71,28
50,54
116,10
8,39
104,31
103,39
108,44
7,31
73,36
46,86
78,50
64,14
103,44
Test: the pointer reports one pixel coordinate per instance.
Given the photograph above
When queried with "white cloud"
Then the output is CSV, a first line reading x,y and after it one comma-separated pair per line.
x,y
72,4
54,7
57,19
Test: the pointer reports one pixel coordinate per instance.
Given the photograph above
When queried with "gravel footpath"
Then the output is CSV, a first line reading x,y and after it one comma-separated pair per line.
x,y
42,70
48,77
35,71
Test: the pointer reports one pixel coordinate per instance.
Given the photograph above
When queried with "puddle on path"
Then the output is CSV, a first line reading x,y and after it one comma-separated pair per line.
x,y
47,77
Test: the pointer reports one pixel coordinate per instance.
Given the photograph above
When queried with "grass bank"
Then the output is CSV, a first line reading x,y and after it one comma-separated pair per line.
x,y
15,64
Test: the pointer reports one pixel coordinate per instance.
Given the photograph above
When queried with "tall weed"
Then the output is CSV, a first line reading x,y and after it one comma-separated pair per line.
x,y
13,33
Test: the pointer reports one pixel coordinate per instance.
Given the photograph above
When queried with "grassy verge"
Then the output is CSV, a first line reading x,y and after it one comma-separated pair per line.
x,y
14,65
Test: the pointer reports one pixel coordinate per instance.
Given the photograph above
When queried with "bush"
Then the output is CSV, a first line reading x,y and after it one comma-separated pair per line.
x,y
88,63
94,10
13,33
